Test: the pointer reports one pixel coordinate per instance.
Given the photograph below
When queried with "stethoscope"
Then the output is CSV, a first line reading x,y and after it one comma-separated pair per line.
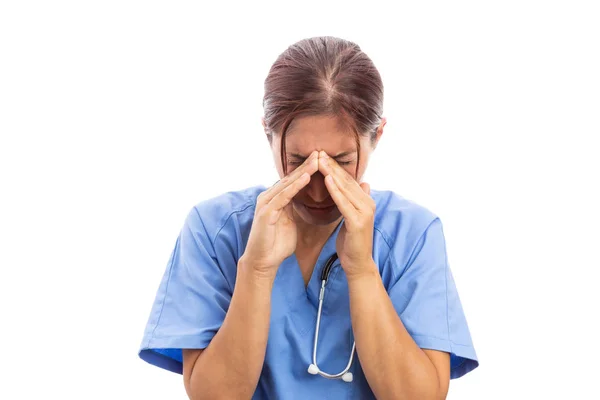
x,y
313,368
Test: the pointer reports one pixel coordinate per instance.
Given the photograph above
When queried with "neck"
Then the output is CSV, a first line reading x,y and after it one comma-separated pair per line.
x,y
310,235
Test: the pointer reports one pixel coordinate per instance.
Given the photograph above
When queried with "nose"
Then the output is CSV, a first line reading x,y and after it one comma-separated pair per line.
x,y
316,188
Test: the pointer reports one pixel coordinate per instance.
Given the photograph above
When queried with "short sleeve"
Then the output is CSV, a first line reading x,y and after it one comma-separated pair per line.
x,y
191,301
427,301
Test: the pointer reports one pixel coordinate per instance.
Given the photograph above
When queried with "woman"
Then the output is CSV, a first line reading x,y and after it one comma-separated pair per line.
x,y
238,310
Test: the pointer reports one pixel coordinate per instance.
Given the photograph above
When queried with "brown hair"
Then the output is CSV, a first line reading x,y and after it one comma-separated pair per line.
x,y
323,76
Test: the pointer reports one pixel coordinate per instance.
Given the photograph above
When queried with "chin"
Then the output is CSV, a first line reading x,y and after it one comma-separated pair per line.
x,y
309,218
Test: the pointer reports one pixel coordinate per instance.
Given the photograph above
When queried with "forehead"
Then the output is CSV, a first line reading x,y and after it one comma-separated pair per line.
x,y
322,132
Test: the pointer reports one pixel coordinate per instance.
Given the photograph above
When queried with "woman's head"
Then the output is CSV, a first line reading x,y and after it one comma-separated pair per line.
x,y
322,93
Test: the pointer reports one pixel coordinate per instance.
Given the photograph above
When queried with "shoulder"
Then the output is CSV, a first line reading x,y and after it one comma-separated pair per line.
x,y
225,211
399,225
396,215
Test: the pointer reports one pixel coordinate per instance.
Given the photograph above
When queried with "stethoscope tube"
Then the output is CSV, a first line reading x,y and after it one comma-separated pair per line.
x,y
313,368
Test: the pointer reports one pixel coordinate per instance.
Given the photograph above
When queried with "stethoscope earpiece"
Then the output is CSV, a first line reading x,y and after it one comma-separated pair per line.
x,y
314,370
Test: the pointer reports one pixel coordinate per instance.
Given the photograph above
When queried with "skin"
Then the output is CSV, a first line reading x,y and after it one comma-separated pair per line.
x,y
395,367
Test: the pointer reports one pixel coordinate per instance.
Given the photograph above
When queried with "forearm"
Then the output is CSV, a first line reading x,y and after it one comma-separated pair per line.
x,y
395,367
231,365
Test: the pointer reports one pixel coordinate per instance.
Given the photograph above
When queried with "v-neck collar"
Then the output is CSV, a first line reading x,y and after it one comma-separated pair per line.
x,y
296,288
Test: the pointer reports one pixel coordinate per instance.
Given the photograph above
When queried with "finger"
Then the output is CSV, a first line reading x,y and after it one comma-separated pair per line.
x,y
310,166
328,165
284,197
347,209
345,182
369,201
287,210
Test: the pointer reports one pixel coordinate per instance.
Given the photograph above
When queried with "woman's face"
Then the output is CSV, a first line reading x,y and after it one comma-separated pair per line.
x,y
310,133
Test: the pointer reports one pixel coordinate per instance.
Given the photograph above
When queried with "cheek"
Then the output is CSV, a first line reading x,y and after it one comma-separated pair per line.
x,y
281,168
364,161
357,175
351,170
290,168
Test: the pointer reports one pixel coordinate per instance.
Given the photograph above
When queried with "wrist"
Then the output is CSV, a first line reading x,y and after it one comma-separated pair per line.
x,y
251,270
368,272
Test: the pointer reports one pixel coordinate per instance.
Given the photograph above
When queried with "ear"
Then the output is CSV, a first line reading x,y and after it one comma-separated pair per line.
x,y
379,132
269,136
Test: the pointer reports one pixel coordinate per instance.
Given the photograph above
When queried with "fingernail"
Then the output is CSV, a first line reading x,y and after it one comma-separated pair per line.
x,y
322,154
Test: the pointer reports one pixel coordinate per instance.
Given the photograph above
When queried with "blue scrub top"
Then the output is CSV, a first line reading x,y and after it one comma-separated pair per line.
x,y
197,286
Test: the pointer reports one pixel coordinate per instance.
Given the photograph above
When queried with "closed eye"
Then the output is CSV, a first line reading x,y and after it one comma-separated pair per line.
x,y
300,162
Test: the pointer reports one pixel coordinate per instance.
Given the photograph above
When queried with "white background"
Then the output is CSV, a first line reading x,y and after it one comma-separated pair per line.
x,y
116,117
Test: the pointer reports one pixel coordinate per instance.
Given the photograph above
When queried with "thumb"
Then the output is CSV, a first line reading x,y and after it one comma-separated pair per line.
x,y
289,210
365,187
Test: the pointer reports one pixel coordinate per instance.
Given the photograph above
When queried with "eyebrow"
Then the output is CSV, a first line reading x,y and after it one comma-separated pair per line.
x,y
340,155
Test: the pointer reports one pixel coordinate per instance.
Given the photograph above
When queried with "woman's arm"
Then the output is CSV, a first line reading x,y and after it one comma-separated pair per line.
x,y
229,368
231,364
395,367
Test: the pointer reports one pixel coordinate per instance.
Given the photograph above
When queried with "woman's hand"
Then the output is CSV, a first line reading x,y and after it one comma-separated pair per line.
x,y
355,239
273,234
